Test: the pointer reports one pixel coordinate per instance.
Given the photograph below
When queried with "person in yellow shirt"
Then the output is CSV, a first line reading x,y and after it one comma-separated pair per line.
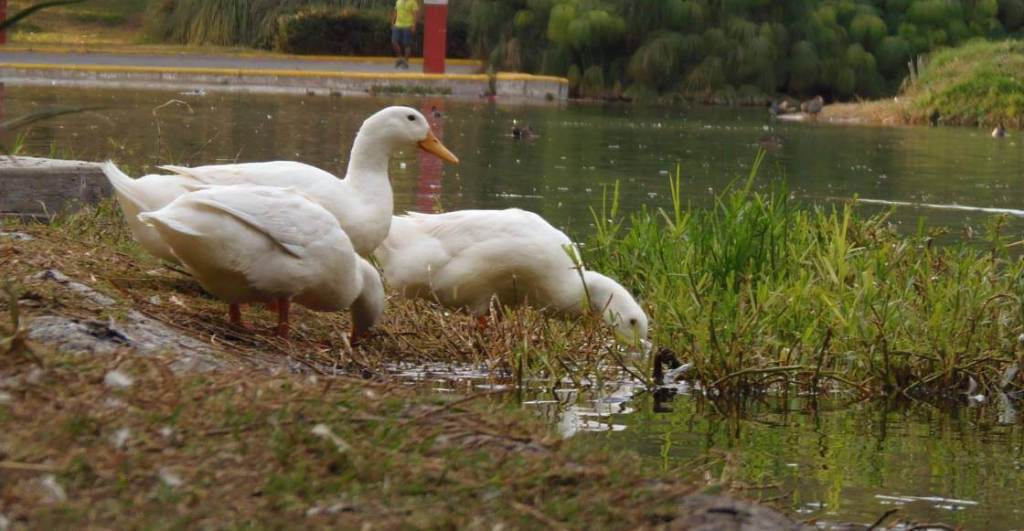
x,y
403,29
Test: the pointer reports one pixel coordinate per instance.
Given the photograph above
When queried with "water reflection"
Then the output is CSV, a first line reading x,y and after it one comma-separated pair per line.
x,y
831,461
562,172
429,185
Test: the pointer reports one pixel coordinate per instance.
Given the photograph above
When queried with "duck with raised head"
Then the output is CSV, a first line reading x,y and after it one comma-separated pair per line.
x,y
999,132
467,258
362,202
250,243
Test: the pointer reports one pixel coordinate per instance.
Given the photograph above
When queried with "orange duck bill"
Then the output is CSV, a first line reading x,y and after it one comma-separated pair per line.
x,y
434,146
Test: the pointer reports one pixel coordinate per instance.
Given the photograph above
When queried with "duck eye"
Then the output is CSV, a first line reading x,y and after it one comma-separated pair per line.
x,y
411,117
632,321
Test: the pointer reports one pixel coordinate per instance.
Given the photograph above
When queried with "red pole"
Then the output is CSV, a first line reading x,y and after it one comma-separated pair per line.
x,y
435,38
3,17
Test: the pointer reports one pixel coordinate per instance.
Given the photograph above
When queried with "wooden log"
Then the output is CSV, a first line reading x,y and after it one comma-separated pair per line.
x,y
40,188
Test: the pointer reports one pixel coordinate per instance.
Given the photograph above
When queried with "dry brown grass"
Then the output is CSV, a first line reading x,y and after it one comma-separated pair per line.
x,y
880,112
250,448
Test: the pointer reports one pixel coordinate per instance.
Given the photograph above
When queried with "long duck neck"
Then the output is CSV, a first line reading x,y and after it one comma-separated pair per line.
x,y
369,208
368,163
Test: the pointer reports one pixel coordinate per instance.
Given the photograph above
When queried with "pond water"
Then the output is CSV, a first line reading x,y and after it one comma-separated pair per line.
x,y
834,463
562,171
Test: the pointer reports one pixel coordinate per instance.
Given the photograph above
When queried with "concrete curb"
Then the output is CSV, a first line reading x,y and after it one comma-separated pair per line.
x,y
507,85
185,52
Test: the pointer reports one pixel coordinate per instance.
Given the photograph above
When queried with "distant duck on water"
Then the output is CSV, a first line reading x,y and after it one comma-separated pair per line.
x,y
522,133
999,132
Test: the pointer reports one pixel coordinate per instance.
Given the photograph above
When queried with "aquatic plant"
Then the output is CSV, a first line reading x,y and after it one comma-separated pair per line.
x,y
760,291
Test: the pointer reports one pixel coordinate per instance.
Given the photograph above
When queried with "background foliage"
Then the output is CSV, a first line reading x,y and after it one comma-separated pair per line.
x,y
713,50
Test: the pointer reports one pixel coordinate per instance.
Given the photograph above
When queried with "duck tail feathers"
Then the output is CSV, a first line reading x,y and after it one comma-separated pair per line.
x,y
158,221
122,183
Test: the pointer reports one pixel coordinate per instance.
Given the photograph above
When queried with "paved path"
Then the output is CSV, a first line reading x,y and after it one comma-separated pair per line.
x,y
189,60
256,72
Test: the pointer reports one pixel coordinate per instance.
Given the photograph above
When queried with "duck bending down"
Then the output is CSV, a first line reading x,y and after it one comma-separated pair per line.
x,y
463,259
362,202
248,243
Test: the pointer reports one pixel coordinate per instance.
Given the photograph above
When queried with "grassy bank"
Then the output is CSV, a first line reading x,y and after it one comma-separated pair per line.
x,y
760,291
981,83
275,438
96,22
245,449
978,84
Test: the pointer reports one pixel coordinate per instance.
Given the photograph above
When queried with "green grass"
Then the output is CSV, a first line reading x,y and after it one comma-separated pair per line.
x,y
979,83
762,292
90,22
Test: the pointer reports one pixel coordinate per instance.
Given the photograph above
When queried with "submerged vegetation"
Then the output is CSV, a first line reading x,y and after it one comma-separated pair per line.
x,y
762,292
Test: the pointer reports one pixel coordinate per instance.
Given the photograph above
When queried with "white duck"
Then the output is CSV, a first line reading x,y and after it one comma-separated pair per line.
x,y
362,202
463,259
249,243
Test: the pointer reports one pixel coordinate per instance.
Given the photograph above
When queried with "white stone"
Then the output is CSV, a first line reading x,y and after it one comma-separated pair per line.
x,y
55,492
170,478
118,380
120,438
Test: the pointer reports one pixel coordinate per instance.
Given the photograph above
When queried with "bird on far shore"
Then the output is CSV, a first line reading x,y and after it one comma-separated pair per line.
x,y
813,106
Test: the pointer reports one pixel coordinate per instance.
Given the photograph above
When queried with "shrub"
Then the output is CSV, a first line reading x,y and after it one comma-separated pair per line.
x,y
322,30
327,31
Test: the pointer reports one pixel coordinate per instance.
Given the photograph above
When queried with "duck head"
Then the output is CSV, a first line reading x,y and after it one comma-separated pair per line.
x,y
618,308
394,128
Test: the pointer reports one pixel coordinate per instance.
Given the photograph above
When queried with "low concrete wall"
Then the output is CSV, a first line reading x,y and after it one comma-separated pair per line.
x,y
39,188
510,85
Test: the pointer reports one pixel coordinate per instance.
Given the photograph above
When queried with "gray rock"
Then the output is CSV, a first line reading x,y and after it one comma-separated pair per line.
x,y
136,331
717,513
16,236
146,336
83,291
76,337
